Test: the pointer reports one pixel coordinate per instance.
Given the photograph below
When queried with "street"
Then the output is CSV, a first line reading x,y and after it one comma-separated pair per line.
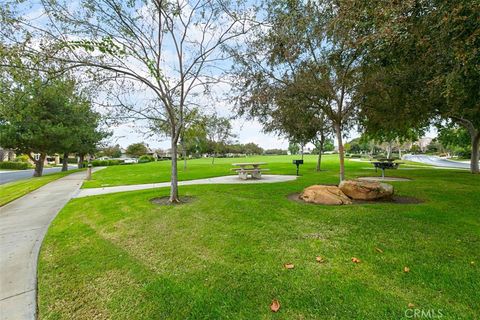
x,y
436,161
8,176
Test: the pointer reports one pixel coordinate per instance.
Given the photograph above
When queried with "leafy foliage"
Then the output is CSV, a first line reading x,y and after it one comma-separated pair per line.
x,y
137,149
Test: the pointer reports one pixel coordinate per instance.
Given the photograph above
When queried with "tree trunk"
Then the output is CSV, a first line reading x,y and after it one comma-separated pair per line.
x,y
389,150
184,155
475,135
65,162
39,165
341,152
174,176
319,159
81,158
213,158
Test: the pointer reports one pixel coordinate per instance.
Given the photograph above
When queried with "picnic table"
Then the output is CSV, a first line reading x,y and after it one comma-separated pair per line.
x,y
385,164
249,168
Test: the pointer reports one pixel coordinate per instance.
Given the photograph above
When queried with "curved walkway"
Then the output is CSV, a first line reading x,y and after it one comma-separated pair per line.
x,y
23,224
25,221
217,180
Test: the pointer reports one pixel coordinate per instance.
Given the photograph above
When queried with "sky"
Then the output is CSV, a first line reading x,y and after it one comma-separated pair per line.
x,y
246,131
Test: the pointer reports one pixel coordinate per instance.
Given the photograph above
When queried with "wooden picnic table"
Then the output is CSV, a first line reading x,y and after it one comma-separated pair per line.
x,y
249,168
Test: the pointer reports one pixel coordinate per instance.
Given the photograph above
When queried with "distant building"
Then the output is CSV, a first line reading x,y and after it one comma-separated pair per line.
x,y
7,155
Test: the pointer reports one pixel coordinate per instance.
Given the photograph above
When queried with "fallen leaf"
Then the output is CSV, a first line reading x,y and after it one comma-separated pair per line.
x,y
379,250
355,260
275,306
289,266
320,259
406,269
472,262
411,305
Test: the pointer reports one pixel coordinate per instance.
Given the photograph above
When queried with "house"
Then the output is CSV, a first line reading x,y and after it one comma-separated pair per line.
x,y
7,155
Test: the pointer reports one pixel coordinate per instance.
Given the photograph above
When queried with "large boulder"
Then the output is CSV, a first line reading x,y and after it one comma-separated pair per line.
x,y
324,195
366,190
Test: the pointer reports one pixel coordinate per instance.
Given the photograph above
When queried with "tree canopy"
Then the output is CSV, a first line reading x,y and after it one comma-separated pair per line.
x,y
47,116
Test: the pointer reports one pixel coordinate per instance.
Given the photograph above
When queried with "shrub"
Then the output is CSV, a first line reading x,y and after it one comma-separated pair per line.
x,y
15,165
21,158
104,163
146,158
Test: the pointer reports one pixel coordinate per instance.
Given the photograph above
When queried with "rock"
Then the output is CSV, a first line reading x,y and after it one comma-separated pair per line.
x,y
366,190
324,195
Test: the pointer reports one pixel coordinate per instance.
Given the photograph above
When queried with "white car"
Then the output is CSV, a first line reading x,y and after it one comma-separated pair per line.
x,y
130,160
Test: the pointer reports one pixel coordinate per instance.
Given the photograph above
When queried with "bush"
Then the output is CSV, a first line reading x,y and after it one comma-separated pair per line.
x,y
15,165
72,160
21,158
146,158
104,163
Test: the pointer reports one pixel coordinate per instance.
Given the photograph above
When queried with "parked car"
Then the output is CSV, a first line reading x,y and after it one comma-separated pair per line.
x,y
130,160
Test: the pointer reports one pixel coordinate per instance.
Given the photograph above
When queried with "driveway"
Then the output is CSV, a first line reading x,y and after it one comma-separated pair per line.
x,y
9,176
436,161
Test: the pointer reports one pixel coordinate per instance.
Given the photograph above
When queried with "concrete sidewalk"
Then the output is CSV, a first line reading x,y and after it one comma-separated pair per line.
x,y
23,224
233,179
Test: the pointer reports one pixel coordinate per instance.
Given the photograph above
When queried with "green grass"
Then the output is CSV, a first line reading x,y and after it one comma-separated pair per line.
x,y
202,168
119,256
16,189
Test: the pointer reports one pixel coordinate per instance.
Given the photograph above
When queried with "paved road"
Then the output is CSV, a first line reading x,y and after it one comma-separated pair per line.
x,y
436,161
8,176
23,224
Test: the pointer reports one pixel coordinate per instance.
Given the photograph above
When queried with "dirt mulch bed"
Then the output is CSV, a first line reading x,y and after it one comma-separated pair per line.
x,y
165,201
394,200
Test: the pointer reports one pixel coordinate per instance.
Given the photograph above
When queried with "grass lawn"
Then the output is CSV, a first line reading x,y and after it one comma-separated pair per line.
x,y
16,189
202,168
222,256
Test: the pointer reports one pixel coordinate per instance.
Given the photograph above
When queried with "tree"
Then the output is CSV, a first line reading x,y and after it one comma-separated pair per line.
x,y
137,149
36,115
455,139
112,151
219,133
421,66
252,149
84,132
90,134
305,50
167,51
293,148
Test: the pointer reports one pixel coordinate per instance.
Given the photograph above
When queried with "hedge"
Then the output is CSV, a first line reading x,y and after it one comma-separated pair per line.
x,y
15,165
104,163
146,158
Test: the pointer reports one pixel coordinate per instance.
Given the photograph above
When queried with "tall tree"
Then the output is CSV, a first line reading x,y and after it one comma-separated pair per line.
x,y
422,66
219,133
294,116
305,49
35,116
170,51
84,132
